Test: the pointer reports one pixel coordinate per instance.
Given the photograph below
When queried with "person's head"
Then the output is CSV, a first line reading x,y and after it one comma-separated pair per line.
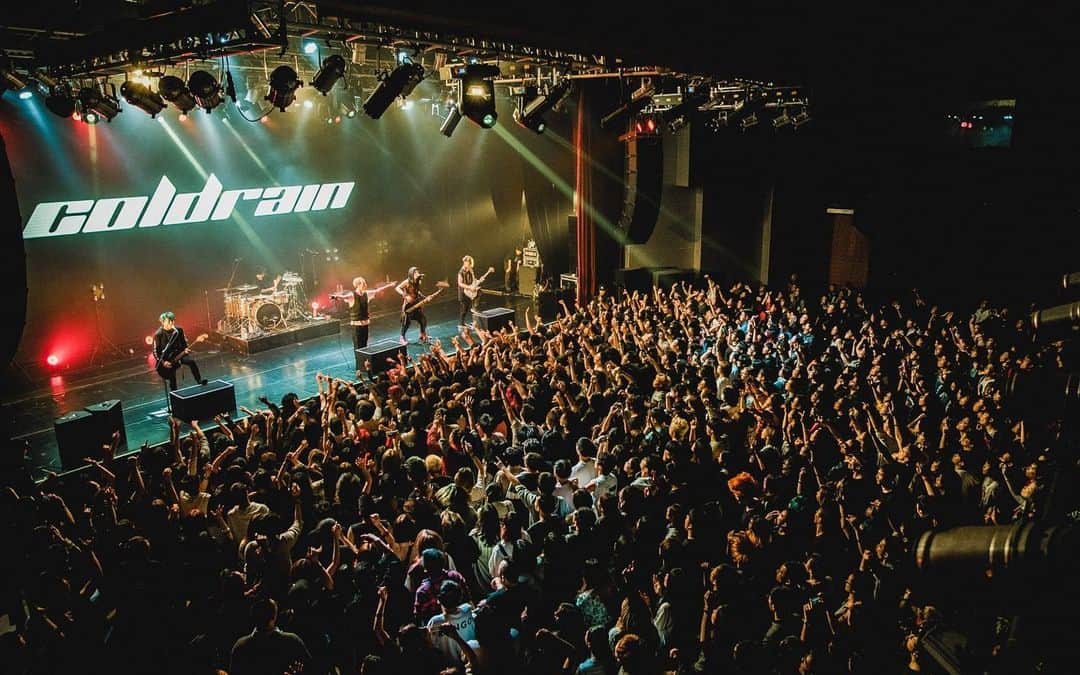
x,y
264,613
467,262
359,283
168,320
450,595
414,273
433,560
260,273
631,654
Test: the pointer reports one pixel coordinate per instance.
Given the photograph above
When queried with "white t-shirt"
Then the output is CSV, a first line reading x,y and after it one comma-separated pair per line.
x,y
584,472
464,619
602,485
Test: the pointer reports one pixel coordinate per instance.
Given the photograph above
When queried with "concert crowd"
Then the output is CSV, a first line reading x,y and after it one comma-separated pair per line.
x,y
702,479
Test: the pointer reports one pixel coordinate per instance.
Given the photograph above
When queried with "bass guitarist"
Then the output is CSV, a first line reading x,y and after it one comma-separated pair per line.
x,y
411,295
171,350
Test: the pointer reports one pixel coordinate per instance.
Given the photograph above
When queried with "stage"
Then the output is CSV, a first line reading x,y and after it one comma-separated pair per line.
x,y
273,373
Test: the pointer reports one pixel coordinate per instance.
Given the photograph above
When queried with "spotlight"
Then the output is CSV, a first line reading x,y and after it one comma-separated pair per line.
x,y
308,103
182,117
205,89
647,125
283,85
399,82
25,94
53,360
142,97
60,103
781,120
478,97
90,118
310,47
800,119
531,115
451,121
173,90
347,105
95,101
333,69
8,78
748,122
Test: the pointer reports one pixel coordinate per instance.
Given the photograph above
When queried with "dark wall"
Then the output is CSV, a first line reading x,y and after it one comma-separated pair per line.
x,y
420,199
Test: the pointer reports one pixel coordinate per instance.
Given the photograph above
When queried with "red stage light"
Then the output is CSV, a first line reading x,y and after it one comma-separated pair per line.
x,y
182,117
149,339
315,306
53,360
651,123
76,115
337,120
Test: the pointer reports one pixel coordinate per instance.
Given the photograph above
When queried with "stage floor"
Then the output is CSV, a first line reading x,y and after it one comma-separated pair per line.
x,y
272,373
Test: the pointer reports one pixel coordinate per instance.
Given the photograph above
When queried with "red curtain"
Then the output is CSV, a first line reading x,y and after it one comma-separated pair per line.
x,y
586,228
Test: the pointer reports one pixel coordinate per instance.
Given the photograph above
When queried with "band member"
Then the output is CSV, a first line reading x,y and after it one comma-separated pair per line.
x,y
359,318
264,283
410,292
513,264
170,346
466,278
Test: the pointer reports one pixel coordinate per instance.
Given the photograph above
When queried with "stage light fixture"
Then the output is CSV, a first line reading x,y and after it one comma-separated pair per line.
x,y
453,116
398,83
478,99
9,79
60,104
142,97
283,85
638,100
748,122
98,103
531,115
801,118
26,94
333,69
781,120
90,118
173,90
206,90
310,47
53,360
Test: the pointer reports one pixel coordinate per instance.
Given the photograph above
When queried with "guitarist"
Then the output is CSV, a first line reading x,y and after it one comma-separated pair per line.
x,y
468,288
411,294
171,351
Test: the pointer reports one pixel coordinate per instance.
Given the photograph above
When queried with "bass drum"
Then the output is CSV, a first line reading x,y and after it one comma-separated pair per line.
x,y
267,314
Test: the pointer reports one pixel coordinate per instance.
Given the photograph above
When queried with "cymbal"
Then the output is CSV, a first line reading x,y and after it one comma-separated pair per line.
x,y
227,289
245,287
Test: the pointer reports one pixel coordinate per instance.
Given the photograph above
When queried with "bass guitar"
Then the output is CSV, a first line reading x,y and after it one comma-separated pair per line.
x,y
410,306
164,371
473,290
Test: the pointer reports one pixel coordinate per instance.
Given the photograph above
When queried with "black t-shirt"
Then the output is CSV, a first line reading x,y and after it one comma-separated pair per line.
x,y
167,344
359,309
464,277
413,294
267,651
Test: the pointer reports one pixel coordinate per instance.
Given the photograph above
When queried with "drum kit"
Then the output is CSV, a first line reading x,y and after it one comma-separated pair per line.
x,y
251,311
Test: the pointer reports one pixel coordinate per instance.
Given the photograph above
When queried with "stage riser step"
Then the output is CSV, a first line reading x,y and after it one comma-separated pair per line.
x,y
254,345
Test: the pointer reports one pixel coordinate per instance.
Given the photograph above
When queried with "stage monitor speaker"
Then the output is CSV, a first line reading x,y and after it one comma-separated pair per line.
x,y
76,438
203,401
495,319
643,178
378,353
109,418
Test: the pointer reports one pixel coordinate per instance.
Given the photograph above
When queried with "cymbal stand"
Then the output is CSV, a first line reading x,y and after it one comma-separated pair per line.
x,y
102,344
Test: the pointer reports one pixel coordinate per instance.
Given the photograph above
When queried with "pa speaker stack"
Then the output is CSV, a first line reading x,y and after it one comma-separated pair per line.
x,y
82,433
382,354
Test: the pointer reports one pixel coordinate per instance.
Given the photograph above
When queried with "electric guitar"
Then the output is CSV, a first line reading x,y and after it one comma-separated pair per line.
x,y
164,370
473,289
408,307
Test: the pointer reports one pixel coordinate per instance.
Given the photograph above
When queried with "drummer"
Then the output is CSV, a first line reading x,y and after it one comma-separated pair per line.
x,y
260,281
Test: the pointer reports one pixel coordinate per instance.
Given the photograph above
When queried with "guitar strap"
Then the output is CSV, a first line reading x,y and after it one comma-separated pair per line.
x,y
168,345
